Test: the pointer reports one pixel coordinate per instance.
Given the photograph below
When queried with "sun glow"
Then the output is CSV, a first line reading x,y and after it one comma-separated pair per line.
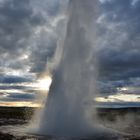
x,y
44,83
19,104
119,98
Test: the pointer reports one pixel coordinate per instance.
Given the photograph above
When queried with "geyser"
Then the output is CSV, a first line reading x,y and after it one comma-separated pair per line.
x,y
66,112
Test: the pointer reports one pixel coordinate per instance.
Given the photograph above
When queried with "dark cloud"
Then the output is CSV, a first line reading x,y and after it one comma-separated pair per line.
x,y
119,34
118,39
28,33
16,24
21,96
120,64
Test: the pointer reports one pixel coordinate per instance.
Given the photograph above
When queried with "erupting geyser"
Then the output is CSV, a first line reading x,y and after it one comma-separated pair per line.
x,y
66,112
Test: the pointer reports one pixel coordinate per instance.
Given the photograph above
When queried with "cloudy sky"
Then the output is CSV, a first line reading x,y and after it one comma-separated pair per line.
x,y
30,30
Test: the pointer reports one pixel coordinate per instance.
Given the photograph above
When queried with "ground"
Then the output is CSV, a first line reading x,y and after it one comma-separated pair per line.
x,y
123,120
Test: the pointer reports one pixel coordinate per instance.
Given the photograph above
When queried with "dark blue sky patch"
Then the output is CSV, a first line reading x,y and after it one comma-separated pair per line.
x,y
22,96
13,79
18,97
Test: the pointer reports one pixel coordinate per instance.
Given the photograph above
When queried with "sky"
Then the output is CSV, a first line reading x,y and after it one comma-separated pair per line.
x,y
29,34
